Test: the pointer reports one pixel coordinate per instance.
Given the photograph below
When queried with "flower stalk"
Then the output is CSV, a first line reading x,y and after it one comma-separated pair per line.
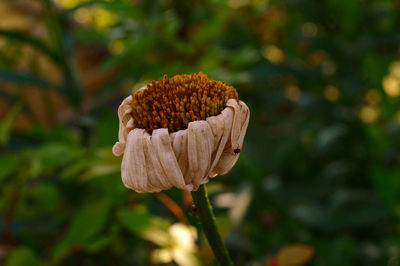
x,y
207,220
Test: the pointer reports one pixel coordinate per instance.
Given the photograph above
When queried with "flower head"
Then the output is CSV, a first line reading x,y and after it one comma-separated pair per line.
x,y
174,102
178,132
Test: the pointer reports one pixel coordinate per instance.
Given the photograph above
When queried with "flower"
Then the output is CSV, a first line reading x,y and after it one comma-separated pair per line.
x,y
178,244
178,132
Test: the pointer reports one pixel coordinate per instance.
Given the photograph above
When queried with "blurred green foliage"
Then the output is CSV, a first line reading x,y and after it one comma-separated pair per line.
x,y
321,161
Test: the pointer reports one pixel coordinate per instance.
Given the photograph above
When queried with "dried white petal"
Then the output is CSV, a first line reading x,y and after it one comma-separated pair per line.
x,y
236,124
130,124
200,148
133,167
180,147
157,179
240,123
163,149
226,119
124,116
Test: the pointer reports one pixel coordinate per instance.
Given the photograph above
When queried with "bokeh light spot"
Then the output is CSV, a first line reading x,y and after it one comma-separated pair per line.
x,y
116,46
395,69
83,15
391,86
373,97
331,93
273,54
292,93
69,3
103,18
309,29
368,114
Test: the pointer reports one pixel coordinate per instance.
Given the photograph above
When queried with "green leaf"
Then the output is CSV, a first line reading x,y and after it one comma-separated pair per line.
x,y
150,228
54,154
135,220
8,164
46,197
85,227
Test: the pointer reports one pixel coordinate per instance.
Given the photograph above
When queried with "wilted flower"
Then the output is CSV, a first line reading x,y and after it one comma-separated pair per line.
x,y
178,132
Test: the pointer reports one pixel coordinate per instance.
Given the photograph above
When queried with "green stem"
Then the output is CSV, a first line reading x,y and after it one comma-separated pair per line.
x,y
207,219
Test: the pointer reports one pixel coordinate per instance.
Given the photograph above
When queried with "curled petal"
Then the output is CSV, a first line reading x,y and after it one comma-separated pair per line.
x,y
157,179
240,123
236,124
216,124
163,149
225,121
118,148
172,137
180,147
200,148
124,116
133,167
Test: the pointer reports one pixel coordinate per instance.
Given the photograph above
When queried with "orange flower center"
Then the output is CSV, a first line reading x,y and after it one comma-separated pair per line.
x,y
174,102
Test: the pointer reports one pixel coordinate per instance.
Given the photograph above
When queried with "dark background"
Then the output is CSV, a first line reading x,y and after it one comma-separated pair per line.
x,y
318,180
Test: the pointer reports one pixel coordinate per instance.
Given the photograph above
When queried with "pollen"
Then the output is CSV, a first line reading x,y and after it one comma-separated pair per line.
x,y
174,102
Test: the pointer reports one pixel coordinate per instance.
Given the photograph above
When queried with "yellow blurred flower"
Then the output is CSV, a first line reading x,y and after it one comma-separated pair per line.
x,y
180,246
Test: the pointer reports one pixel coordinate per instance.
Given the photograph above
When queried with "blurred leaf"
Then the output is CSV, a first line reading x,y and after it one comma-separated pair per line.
x,y
150,228
22,256
135,220
85,226
8,164
98,244
46,197
26,79
387,184
54,154
314,215
23,37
